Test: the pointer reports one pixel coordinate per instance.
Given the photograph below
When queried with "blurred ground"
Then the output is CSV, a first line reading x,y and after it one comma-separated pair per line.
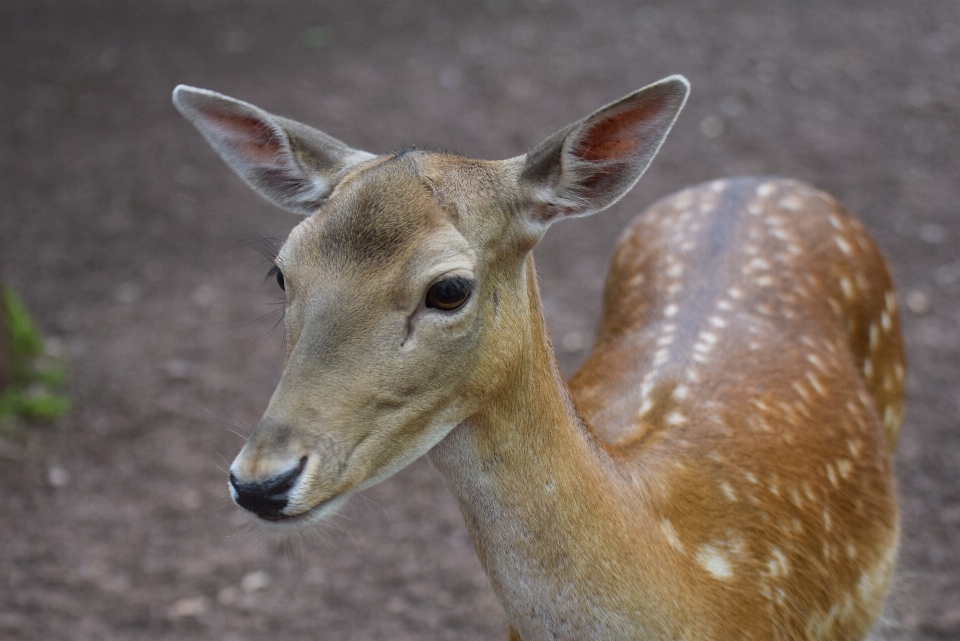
x,y
120,229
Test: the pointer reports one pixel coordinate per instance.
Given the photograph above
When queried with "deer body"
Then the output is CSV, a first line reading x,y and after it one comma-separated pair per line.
x,y
721,471
720,466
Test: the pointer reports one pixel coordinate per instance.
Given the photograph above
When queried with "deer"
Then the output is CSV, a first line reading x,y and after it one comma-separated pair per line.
x,y
718,468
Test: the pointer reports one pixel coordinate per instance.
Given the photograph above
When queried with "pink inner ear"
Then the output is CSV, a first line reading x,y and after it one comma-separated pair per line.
x,y
619,136
254,139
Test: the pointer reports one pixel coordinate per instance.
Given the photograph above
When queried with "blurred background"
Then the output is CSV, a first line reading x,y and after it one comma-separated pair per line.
x,y
128,241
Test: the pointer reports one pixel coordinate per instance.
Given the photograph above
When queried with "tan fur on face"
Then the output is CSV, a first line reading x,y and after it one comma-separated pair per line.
x,y
373,379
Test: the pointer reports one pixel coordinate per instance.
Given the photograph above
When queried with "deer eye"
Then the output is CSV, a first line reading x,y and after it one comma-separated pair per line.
x,y
449,294
275,271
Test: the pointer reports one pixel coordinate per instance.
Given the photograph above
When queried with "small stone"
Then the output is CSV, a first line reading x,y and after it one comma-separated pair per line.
x,y
712,127
315,575
57,476
191,499
932,233
255,581
228,595
451,77
188,608
177,369
236,41
918,96
128,293
947,274
918,302
204,295
396,605
731,106
575,341
55,348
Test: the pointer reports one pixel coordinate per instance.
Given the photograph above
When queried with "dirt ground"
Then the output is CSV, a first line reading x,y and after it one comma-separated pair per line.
x,y
126,236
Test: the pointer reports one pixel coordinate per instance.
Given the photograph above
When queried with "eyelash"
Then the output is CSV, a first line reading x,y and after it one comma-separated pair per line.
x,y
275,272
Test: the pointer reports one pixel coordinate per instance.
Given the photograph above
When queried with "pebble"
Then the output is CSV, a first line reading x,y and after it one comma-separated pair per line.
x,y
575,341
918,302
188,608
177,369
255,581
57,476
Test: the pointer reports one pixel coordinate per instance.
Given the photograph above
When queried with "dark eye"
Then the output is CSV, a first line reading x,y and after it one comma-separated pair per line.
x,y
275,271
449,294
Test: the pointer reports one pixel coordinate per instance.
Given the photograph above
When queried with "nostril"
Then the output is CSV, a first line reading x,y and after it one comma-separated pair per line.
x,y
283,483
267,499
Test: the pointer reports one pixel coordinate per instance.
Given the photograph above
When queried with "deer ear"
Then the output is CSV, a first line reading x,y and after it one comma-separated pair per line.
x,y
591,164
288,163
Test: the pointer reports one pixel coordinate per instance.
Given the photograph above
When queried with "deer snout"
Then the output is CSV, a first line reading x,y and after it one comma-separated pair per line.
x,y
267,498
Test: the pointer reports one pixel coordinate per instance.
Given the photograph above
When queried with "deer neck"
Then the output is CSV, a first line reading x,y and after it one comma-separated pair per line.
x,y
543,502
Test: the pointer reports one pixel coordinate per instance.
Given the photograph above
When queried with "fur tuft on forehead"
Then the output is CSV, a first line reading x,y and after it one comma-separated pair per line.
x,y
379,213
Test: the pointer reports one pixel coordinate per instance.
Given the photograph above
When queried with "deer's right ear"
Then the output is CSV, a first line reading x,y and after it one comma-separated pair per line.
x,y
591,164
288,163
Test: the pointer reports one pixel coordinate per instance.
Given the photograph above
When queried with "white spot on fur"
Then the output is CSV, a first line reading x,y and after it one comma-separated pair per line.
x,y
885,321
670,534
847,286
717,321
766,189
714,561
707,338
874,336
680,392
670,310
645,407
890,418
845,468
815,360
817,385
750,476
718,185
735,293
832,475
682,200
795,497
792,203
843,245
873,583
675,418
777,565
727,490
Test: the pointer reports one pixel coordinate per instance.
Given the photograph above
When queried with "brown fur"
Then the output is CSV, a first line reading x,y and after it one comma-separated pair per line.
x,y
720,468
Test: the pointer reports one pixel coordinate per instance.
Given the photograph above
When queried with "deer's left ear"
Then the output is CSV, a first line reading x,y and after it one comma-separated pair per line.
x,y
591,164
288,163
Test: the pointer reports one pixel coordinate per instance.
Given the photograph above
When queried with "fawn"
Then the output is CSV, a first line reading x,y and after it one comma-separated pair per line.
x,y
719,468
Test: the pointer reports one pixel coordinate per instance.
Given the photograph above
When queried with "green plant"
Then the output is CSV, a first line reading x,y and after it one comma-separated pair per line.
x,y
34,391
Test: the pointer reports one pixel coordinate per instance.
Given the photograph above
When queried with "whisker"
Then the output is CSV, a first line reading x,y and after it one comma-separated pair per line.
x,y
264,317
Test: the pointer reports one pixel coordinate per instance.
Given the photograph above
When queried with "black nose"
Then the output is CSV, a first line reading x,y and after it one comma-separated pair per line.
x,y
267,499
